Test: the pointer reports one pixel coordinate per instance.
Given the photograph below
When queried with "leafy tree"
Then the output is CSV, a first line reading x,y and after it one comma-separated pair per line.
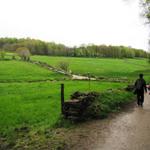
x,y
146,6
2,54
39,47
23,53
146,11
149,58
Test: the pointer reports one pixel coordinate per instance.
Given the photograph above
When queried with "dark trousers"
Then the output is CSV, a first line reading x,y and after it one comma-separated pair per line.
x,y
140,98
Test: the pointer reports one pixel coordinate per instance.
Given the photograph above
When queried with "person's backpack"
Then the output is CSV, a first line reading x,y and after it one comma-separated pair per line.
x,y
139,84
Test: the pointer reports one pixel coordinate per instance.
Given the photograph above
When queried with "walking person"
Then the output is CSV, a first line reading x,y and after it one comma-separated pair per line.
x,y
140,86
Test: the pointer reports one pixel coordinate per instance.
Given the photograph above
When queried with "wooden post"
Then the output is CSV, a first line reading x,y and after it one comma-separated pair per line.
x,y
89,82
62,98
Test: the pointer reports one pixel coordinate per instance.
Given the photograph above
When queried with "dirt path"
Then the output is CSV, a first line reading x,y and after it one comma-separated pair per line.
x,y
79,77
129,130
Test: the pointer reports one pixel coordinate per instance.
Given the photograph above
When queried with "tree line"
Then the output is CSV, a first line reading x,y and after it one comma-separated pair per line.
x,y
38,47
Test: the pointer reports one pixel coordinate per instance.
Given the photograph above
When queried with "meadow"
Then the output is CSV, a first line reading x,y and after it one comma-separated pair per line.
x,y
30,95
38,104
15,71
102,67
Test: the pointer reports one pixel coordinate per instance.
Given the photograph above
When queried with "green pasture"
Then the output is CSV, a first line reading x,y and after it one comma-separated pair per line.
x,y
28,103
102,67
38,104
15,71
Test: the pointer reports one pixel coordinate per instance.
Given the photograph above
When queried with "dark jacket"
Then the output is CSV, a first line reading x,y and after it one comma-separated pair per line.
x,y
140,85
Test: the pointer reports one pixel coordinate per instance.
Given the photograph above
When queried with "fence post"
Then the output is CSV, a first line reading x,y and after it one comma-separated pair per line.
x,y
62,98
89,82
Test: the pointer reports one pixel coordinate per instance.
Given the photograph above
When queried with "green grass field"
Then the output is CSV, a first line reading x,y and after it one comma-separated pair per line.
x,y
25,101
22,71
102,67
38,104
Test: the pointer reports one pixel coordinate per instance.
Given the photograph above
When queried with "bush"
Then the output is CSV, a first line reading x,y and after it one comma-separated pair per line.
x,y
63,65
98,105
2,54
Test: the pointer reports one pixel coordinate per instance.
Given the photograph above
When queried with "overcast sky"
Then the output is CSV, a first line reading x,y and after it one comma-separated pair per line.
x,y
74,22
